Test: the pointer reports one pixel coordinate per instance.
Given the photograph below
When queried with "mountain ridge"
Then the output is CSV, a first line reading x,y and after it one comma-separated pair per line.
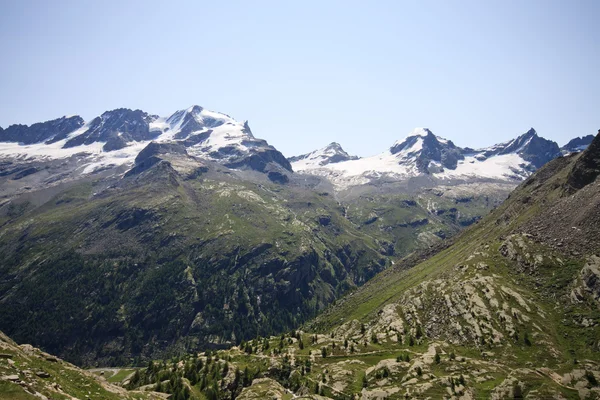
x,y
115,137
424,153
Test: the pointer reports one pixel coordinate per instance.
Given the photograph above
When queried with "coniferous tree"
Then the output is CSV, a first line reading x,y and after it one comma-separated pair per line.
x,y
418,332
517,391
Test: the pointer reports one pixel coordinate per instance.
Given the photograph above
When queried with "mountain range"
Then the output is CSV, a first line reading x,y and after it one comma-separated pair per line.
x,y
423,153
116,137
506,308
133,236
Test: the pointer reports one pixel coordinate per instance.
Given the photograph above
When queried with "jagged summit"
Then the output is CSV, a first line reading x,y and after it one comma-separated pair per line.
x,y
417,132
577,144
429,153
534,149
115,128
53,130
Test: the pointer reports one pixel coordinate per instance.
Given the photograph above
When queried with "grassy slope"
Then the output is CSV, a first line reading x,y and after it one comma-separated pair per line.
x,y
41,374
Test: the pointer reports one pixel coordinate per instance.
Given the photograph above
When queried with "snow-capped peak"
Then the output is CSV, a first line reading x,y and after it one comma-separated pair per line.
x,y
116,137
531,147
332,153
420,132
195,109
415,133
195,119
417,139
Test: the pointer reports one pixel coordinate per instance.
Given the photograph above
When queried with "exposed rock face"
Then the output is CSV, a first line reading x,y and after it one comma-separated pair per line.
x,y
257,161
538,151
278,177
431,150
188,121
117,128
156,153
50,131
577,144
590,277
587,167
331,154
156,149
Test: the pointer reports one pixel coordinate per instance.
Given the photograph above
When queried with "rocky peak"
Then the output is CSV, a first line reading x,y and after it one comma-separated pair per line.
x,y
194,119
51,131
247,130
537,150
335,153
116,128
414,138
330,154
520,144
334,146
195,109
577,144
428,152
531,147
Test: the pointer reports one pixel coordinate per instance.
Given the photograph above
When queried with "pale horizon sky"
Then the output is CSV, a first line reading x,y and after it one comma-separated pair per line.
x,y
305,74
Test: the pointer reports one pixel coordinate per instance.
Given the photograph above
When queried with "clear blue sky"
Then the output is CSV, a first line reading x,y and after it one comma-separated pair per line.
x,y
307,73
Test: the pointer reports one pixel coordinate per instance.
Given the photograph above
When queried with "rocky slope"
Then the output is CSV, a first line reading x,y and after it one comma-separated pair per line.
x,y
29,373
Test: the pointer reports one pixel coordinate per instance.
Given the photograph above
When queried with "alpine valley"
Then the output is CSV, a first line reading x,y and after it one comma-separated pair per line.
x,y
183,256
